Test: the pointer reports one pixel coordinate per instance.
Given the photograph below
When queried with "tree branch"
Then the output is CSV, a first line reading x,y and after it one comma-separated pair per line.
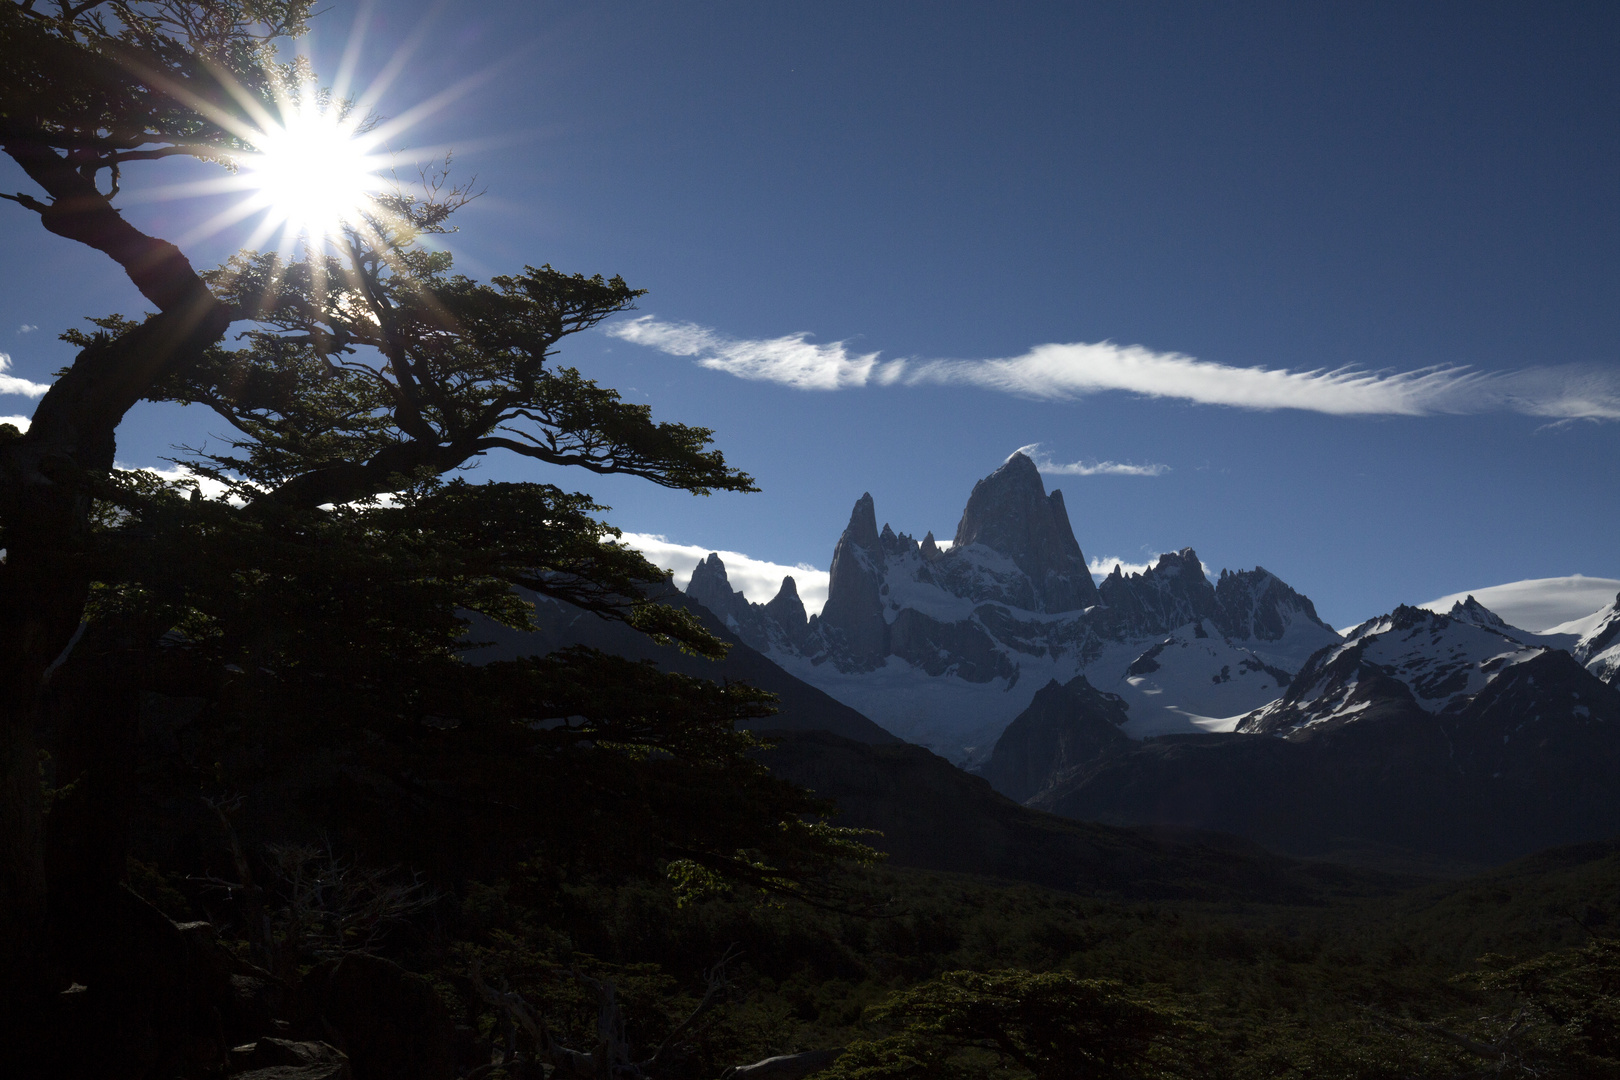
x,y
79,211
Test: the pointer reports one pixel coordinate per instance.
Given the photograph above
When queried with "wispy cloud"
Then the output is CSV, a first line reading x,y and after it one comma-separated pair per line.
x,y
1068,371
791,359
756,579
27,328
1043,461
11,384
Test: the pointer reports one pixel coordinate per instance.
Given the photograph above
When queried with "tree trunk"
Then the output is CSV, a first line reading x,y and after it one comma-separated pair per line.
x,y
93,709
42,592
44,513
44,581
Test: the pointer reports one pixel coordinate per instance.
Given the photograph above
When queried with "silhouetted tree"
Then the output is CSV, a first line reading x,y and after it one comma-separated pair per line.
x,y
330,584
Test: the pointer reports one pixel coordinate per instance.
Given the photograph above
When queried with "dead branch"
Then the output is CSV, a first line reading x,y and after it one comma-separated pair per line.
x,y
1497,1051
717,985
785,1066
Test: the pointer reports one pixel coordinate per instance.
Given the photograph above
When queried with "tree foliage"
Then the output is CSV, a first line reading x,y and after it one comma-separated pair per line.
x,y
1054,1025
1565,1018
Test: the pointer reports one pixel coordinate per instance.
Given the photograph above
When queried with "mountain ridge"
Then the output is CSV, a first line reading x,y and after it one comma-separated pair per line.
x,y
1455,736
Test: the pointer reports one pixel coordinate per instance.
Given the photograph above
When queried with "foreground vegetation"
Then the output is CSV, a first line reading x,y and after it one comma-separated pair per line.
x,y
1505,974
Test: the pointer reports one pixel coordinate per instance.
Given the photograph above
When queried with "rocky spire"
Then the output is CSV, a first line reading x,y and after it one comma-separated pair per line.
x,y
1010,512
788,611
853,613
862,530
711,588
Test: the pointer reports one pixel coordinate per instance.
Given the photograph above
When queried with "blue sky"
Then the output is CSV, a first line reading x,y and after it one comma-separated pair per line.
x,y
1389,189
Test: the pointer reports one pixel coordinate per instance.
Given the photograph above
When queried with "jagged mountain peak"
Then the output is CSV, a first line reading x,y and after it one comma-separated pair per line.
x,y
1472,611
852,619
862,530
1257,604
1411,657
1010,513
947,645
1172,563
712,588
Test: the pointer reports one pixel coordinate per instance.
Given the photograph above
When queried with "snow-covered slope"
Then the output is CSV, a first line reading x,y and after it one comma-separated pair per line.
x,y
1593,639
1454,734
1598,647
1197,679
1439,663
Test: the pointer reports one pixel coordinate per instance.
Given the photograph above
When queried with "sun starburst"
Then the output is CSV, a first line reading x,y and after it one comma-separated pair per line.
x,y
314,172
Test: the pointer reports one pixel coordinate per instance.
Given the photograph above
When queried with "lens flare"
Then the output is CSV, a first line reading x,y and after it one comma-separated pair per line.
x,y
312,173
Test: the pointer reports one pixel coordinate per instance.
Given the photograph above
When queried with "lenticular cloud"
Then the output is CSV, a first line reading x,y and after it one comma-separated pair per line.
x,y
1067,372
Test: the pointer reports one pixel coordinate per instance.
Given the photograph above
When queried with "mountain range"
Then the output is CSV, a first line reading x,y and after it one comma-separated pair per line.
x,y
1166,698
945,645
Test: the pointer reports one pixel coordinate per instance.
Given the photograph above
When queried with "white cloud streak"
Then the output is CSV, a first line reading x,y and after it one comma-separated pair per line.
x,y
1065,372
11,384
1045,464
19,422
757,579
791,360
27,328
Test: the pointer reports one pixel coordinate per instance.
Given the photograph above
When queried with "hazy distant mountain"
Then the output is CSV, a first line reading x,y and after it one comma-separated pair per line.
x,y
944,646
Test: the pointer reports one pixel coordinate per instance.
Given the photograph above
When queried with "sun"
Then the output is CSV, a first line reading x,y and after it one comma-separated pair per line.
x,y
313,172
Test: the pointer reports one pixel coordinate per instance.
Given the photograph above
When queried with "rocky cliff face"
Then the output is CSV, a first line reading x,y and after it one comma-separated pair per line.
x,y
945,646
